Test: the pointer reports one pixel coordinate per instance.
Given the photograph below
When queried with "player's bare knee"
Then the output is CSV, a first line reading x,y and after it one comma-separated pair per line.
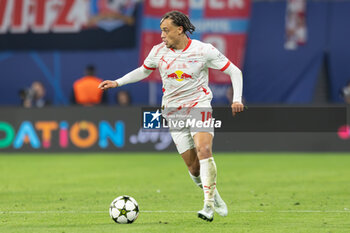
x,y
203,151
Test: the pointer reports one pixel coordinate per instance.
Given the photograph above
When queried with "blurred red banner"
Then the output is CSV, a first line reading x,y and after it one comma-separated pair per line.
x,y
223,23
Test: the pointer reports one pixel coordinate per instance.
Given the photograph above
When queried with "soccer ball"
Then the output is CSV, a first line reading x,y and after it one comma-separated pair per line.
x,y
124,209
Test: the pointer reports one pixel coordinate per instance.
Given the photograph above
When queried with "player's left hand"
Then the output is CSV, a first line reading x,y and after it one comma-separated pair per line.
x,y
237,107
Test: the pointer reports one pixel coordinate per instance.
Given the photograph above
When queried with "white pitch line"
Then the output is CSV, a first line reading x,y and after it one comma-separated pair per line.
x,y
168,211
52,212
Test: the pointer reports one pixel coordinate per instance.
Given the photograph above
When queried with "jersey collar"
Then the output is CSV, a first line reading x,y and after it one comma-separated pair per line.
x,y
188,45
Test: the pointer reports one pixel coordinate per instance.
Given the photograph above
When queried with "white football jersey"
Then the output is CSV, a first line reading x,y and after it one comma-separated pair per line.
x,y
184,72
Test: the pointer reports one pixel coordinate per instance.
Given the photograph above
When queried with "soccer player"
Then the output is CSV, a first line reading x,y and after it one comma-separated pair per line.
x,y
183,65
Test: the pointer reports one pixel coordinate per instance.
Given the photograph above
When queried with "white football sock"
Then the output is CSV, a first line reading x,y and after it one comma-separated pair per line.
x,y
208,177
196,179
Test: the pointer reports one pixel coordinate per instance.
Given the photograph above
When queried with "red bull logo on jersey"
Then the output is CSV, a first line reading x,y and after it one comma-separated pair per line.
x,y
179,75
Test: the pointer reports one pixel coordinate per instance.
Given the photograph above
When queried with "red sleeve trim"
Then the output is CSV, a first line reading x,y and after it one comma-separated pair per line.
x,y
148,68
225,67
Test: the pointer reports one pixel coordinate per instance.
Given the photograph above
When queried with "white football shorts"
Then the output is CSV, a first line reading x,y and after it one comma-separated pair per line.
x,y
183,136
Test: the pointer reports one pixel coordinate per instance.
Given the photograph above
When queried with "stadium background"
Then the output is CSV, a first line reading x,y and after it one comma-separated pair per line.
x,y
62,165
251,33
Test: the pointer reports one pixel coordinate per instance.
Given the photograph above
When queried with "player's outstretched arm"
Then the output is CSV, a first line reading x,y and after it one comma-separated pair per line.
x,y
108,84
132,77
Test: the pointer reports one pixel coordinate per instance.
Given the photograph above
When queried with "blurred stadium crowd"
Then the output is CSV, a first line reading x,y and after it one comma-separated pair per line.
x,y
290,51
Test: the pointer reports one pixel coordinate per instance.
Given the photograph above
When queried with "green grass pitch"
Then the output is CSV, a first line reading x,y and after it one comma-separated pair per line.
x,y
265,193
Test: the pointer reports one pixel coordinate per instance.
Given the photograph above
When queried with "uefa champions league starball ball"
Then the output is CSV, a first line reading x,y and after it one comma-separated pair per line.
x,y
124,209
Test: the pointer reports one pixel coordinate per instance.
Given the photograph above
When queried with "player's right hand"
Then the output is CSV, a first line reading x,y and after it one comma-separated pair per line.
x,y
107,84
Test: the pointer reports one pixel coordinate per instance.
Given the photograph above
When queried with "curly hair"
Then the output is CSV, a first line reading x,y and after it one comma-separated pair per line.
x,y
180,19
